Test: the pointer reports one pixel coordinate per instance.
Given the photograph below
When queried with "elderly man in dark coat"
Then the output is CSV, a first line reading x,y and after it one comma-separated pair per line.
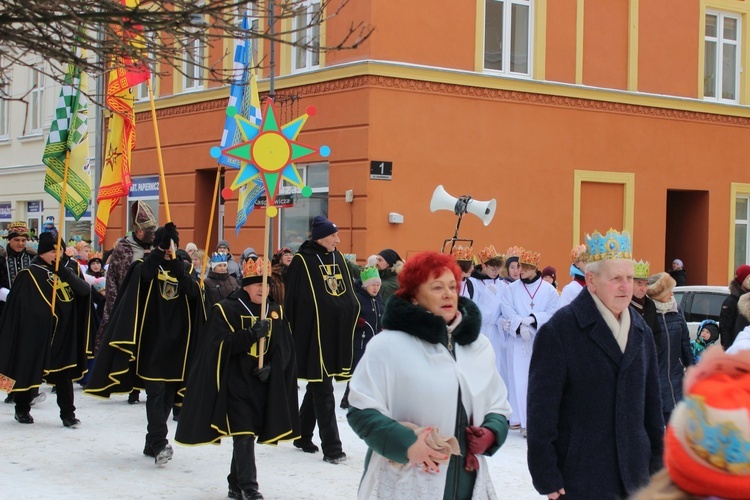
x,y
595,427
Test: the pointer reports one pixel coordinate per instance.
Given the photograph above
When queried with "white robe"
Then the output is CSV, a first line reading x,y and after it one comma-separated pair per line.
x,y
569,292
410,380
489,306
516,305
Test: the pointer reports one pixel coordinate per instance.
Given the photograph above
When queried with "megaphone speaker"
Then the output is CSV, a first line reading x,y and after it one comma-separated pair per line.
x,y
441,200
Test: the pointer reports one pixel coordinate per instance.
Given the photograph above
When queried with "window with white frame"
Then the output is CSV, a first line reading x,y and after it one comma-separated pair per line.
x,y
141,90
192,66
508,36
253,12
295,221
4,109
36,100
721,73
741,234
306,26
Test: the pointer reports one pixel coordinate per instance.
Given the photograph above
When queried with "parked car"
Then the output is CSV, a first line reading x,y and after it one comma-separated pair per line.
x,y
699,302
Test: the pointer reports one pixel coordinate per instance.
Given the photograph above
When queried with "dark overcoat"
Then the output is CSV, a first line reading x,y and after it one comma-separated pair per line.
x,y
595,424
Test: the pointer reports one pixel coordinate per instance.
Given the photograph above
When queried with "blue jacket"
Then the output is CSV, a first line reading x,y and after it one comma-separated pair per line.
x,y
595,424
675,354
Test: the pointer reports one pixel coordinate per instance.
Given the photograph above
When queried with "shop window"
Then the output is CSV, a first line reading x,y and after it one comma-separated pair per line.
x,y
721,73
508,37
295,222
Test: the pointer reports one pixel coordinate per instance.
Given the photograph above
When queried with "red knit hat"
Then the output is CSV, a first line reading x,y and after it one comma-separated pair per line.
x,y
742,273
707,445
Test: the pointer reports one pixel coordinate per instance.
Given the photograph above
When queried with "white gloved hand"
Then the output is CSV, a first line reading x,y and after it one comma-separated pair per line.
x,y
526,331
505,325
528,321
492,288
4,294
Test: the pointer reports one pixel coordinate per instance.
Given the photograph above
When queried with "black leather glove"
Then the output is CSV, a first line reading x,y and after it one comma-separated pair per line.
x,y
263,374
177,268
259,330
63,272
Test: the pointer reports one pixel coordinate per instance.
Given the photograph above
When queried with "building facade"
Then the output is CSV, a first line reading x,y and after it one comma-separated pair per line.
x,y
573,115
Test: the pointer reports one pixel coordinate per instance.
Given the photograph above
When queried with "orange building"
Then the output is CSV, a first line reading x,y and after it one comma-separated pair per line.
x,y
574,115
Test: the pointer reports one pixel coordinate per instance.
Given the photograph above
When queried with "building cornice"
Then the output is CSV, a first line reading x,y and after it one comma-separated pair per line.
x,y
417,79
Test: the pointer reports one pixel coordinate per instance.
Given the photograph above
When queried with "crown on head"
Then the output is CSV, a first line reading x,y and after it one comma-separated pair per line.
x,y
95,255
641,270
254,268
530,258
369,273
514,252
613,245
579,254
462,253
488,253
219,257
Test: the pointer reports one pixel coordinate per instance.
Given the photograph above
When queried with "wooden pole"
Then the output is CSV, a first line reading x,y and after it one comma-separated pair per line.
x,y
63,195
210,224
159,159
264,300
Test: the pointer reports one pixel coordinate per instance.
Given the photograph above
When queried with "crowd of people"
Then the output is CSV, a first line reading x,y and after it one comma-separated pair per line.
x,y
444,354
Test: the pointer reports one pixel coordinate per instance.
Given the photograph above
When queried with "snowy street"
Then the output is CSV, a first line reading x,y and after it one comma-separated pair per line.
x,y
103,458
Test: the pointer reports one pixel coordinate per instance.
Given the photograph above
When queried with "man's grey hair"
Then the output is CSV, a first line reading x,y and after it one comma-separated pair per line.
x,y
597,266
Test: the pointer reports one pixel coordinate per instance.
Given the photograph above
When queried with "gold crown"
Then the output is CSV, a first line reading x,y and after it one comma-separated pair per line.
x,y
530,258
613,245
641,270
462,253
254,268
95,255
488,253
579,254
514,252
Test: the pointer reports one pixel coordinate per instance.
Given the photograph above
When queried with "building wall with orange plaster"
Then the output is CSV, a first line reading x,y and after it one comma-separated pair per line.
x,y
561,41
605,44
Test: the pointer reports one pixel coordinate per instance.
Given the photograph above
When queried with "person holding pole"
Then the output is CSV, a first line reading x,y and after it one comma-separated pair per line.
x,y
150,329
37,344
228,394
322,310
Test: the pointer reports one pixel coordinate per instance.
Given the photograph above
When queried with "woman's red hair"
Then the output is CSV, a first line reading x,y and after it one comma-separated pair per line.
x,y
421,267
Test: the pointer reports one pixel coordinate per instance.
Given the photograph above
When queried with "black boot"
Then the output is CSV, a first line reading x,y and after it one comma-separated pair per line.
x,y
243,464
24,418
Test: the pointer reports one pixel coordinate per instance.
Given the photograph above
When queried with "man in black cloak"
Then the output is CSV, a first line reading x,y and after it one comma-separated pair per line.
x,y
322,310
151,330
37,345
227,395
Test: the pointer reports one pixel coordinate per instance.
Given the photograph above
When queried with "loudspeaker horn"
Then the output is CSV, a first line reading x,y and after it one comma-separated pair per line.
x,y
441,200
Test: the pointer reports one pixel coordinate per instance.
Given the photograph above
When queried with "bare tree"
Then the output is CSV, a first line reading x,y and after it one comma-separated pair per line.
x,y
57,30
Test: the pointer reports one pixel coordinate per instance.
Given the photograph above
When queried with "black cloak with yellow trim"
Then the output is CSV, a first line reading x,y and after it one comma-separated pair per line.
x,y
224,397
149,333
33,341
322,310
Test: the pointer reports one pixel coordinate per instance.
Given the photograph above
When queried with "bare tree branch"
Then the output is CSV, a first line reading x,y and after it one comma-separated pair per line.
x,y
55,31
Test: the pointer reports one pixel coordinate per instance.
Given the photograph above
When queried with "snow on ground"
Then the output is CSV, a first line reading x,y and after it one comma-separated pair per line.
x,y
103,458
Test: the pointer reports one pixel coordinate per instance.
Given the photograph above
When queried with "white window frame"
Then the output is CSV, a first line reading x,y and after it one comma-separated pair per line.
x,y
720,42
742,220
36,99
141,90
317,192
310,58
252,11
507,42
195,50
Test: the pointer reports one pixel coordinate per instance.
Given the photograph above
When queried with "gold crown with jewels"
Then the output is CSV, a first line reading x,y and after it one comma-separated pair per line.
x,y
488,253
641,270
613,245
462,253
530,258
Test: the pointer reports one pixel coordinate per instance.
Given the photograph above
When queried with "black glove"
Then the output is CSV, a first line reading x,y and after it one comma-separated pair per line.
x,y
63,272
259,330
177,268
263,374
170,234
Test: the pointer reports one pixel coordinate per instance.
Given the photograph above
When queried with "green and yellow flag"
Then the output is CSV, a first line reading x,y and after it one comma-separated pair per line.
x,y
69,133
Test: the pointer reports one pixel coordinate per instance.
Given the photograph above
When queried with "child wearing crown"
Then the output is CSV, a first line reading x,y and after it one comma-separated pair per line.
x,y
219,283
228,394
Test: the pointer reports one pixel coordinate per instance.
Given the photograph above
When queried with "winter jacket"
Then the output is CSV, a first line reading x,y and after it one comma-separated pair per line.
x,y
730,321
595,424
674,355
389,281
699,345
679,276
742,341
368,323
219,286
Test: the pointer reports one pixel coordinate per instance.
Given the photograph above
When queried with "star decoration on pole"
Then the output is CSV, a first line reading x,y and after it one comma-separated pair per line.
x,y
268,153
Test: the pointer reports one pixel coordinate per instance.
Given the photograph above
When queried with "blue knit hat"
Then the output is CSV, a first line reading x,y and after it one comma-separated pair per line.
x,y
322,227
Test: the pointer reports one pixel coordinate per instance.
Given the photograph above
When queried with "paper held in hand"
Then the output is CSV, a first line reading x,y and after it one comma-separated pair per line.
x,y
6,383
